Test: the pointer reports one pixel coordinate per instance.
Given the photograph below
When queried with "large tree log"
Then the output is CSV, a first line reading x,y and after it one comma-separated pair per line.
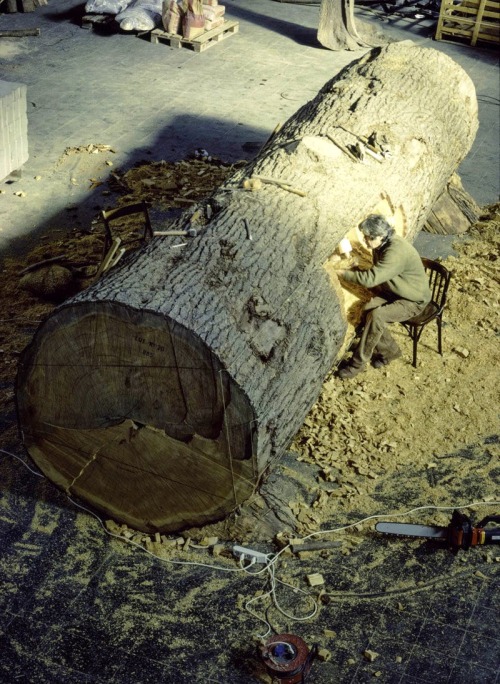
x,y
162,394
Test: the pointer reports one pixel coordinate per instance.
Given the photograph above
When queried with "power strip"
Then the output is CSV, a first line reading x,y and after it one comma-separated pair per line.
x,y
243,553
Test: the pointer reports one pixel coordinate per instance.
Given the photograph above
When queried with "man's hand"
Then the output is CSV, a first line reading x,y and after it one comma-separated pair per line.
x,y
341,273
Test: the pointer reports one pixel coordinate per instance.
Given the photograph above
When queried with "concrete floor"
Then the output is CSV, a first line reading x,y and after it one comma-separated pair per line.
x,y
76,606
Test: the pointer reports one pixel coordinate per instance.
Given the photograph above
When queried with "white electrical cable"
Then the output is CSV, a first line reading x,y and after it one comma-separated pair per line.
x,y
117,536
301,591
271,559
270,566
267,569
380,516
139,546
3,451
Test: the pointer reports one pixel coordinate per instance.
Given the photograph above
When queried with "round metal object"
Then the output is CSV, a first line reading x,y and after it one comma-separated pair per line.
x,y
286,657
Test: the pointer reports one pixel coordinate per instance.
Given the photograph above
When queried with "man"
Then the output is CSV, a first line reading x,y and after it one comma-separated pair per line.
x,y
400,289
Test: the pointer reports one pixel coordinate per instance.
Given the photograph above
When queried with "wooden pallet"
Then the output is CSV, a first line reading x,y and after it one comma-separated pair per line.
x,y
199,44
473,20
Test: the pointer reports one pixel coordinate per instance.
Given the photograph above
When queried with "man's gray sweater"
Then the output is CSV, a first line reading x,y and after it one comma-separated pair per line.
x,y
398,268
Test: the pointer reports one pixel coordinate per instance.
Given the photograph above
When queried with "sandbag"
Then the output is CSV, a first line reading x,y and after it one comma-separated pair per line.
x,y
193,22
172,16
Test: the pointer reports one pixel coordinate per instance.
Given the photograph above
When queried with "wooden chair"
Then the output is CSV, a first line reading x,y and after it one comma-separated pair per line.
x,y
127,210
439,280
113,249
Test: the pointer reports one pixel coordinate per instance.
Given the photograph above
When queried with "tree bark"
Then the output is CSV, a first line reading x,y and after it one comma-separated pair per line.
x,y
338,30
163,393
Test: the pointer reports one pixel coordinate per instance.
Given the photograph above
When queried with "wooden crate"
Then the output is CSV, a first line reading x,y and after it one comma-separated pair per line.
x,y
199,44
473,20
10,6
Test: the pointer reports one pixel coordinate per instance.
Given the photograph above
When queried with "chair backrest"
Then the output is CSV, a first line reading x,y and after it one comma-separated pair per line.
x,y
128,210
439,280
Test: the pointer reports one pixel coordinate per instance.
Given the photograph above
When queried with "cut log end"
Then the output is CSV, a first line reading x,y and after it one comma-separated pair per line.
x,y
151,431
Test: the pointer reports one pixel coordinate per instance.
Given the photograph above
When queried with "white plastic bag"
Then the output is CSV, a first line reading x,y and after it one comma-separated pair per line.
x,y
140,15
106,6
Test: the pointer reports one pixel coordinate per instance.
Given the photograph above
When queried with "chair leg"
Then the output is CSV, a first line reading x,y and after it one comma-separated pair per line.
x,y
415,343
108,238
148,229
440,346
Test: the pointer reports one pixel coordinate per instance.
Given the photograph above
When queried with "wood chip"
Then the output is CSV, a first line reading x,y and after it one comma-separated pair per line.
x,y
315,579
324,655
479,574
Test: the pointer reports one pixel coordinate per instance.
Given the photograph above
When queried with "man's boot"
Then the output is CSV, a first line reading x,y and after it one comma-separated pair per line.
x,y
381,360
349,371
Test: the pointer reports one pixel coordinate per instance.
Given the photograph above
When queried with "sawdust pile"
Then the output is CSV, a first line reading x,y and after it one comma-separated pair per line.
x,y
397,438
401,420
360,434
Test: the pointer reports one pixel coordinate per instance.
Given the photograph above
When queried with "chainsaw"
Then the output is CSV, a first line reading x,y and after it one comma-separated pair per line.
x,y
461,533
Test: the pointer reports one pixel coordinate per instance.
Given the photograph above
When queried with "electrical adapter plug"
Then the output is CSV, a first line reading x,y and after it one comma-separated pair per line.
x,y
249,554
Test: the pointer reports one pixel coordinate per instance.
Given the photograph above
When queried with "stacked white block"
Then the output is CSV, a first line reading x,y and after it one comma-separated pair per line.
x,y
13,127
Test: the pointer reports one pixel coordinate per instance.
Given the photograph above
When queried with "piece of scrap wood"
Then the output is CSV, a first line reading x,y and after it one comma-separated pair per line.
x,y
281,184
315,546
19,33
315,579
342,148
52,260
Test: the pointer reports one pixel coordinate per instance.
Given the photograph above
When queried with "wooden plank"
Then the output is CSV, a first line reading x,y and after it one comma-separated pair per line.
x,y
479,19
199,44
19,33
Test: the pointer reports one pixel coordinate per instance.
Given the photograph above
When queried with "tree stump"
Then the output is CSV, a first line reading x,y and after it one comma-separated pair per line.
x,y
163,393
337,29
454,211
